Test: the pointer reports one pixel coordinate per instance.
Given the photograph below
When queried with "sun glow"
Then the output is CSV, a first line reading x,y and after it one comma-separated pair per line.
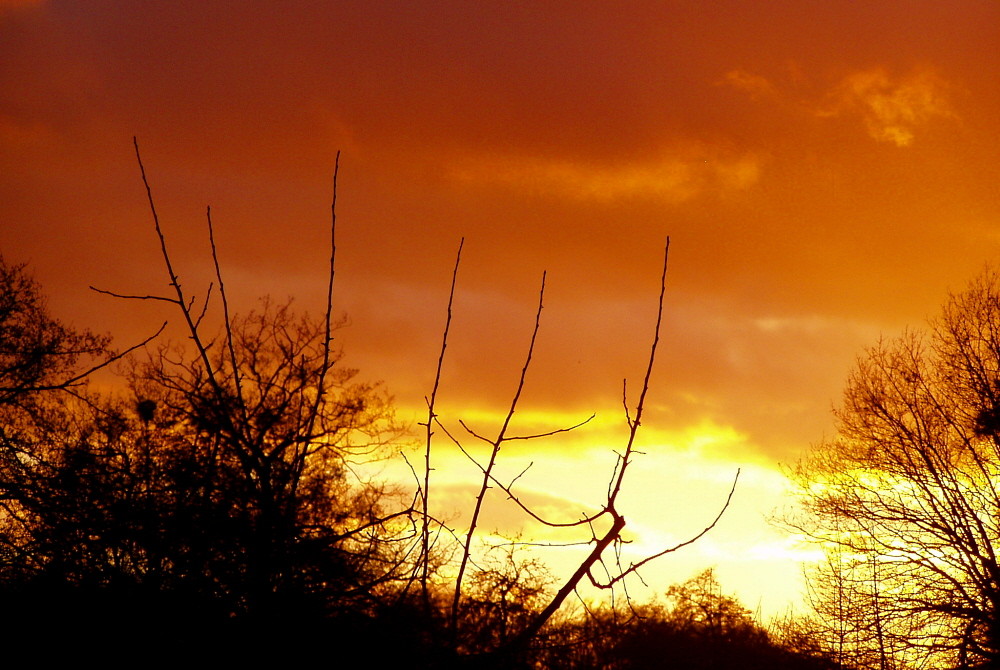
x,y
676,486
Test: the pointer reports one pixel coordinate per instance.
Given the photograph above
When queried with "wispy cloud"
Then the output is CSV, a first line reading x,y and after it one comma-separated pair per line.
x,y
756,85
674,178
893,108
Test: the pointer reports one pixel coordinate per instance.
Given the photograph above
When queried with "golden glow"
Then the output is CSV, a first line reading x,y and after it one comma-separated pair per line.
x,y
826,174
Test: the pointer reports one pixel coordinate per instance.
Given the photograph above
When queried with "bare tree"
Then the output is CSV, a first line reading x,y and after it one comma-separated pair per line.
x,y
908,493
854,620
273,418
597,567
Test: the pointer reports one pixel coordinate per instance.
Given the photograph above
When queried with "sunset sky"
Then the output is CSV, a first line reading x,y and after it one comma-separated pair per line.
x,y
827,173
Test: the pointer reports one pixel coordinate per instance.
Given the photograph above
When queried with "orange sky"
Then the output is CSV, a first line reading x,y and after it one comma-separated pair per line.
x,y
826,172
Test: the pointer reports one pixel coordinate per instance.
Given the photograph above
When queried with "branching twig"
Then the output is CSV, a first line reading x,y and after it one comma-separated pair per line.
x,y
175,284
507,488
569,587
76,379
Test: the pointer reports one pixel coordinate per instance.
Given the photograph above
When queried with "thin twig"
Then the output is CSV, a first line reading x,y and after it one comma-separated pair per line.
x,y
487,472
72,381
508,489
535,436
204,306
133,297
431,416
326,365
237,383
640,405
634,567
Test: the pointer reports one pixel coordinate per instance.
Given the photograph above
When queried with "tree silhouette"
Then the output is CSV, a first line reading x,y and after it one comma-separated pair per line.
x,y
597,567
694,627
908,493
853,618
217,490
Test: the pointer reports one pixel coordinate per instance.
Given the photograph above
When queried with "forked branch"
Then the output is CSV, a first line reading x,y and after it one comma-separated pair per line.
x,y
613,535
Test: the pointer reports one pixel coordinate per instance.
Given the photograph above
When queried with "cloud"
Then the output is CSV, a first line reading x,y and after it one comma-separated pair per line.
x,y
755,85
892,108
673,178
